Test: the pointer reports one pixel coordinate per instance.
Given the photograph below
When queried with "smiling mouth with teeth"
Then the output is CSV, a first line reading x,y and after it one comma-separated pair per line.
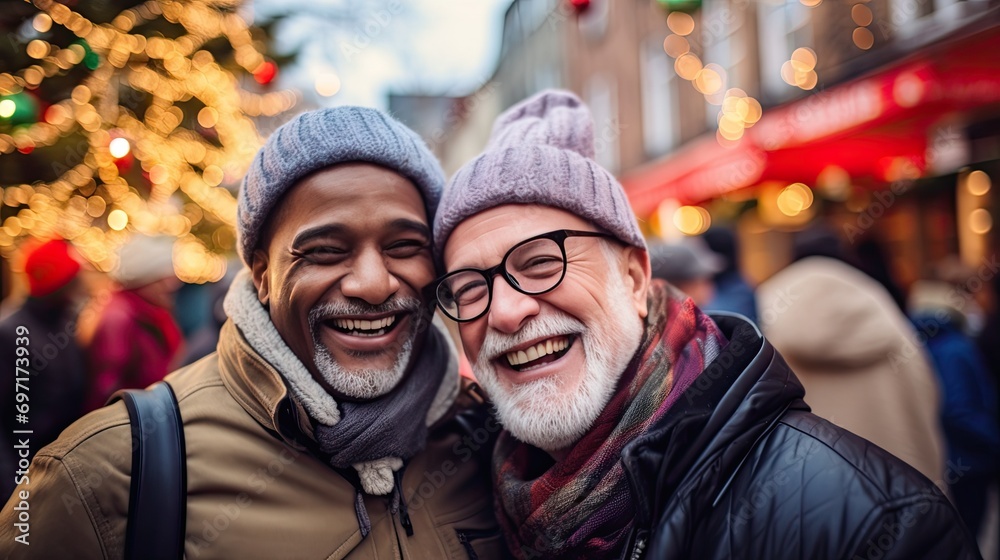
x,y
542,353
361,327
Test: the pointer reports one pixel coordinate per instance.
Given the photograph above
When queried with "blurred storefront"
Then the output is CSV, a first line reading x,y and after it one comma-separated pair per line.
x,y
876,116
881,117
904,154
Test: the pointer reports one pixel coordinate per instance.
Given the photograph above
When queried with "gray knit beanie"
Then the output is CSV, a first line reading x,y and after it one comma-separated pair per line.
x,y
541,151
319,139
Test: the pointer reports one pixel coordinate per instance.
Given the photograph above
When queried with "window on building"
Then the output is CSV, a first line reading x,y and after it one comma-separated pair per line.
x,y
784,27
725,44
659,100
601,94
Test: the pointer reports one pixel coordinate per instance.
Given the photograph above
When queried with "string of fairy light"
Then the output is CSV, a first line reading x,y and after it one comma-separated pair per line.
x,y
740,111
90,203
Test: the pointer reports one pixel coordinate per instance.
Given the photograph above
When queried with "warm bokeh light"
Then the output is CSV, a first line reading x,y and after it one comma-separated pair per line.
x,y
687,66
863,38
692,220
980,221
803,59
42,23
799,71
213,175
680,23
834,182
675,45
208,117
739,112
807,80
794,199
37,49
117,219
978,183
119,147
328,84
862,15
708,81
7,108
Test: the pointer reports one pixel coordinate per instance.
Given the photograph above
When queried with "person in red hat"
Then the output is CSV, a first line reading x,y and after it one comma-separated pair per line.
x,y
136,339
55,378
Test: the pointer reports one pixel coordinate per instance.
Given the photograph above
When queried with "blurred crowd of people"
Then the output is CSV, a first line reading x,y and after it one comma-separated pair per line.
x,y
90,334
917,375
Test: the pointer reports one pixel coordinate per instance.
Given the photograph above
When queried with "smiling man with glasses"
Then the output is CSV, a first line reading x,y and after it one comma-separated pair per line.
x,y
636,425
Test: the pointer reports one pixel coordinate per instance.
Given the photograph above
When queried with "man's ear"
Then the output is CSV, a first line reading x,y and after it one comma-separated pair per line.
x,y
637,277
258,270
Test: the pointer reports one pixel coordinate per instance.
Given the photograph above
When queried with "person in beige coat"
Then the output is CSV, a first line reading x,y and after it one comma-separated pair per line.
x,y
331,422
860,360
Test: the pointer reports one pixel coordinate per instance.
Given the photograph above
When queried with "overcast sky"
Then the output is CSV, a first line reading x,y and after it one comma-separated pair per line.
x,y
445,47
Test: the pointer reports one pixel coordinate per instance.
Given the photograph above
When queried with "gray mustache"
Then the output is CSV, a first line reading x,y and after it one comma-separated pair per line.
x,y
325,311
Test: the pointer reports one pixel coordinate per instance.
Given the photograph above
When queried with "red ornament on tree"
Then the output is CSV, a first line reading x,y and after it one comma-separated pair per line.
x,y
124,163
265,73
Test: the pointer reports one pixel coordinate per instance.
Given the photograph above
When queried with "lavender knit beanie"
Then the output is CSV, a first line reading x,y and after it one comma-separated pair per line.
x,y
318,139
541,151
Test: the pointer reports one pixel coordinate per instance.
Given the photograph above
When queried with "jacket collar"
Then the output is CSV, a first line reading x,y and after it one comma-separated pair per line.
x,y
734,401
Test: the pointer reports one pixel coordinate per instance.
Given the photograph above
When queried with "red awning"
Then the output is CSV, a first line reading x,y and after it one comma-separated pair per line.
x,y
866,126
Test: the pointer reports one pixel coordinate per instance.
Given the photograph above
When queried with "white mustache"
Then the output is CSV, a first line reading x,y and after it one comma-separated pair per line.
x,y
497,344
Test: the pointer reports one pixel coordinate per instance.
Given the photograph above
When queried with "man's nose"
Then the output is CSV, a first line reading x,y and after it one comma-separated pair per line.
x,y
510,308
370,279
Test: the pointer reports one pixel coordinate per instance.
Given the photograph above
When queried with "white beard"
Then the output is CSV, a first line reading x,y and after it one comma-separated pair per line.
x,y
367,383
546,412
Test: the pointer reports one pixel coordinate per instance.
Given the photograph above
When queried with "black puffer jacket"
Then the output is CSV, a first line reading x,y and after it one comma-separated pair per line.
x,y
740,468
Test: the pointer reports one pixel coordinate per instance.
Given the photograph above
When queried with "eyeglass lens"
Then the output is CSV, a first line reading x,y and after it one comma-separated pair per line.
x,y
532,268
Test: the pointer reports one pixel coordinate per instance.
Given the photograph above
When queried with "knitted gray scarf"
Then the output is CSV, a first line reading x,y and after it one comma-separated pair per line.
x,y
389,425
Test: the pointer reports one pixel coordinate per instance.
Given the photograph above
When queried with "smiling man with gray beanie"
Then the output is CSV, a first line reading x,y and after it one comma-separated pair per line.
x,y
635,425
331,422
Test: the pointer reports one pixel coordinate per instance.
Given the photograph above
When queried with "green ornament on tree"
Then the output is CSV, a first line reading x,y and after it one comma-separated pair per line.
x,y
19,108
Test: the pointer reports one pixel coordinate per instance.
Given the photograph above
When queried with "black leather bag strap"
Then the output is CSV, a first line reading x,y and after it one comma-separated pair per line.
x,y
157,508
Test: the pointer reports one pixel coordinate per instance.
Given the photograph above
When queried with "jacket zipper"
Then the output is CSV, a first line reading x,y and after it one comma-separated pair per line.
x,y
404,514
639,548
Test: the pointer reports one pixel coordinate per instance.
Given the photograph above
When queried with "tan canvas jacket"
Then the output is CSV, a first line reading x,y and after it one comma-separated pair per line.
x,y
252,491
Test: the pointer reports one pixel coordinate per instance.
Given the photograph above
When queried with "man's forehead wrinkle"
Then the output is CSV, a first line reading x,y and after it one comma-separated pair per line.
x,y
480,250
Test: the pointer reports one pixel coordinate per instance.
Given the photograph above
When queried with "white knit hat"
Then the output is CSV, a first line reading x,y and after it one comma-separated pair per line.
x,y
144,260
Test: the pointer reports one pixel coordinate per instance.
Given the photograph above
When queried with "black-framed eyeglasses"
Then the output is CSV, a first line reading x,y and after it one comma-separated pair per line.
x,y
533,267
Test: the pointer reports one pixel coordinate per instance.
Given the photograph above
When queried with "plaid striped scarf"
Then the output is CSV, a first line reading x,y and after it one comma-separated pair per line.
x,y
581,507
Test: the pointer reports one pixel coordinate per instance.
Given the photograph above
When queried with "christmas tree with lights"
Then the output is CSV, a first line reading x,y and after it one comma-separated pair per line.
x,y
119,117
